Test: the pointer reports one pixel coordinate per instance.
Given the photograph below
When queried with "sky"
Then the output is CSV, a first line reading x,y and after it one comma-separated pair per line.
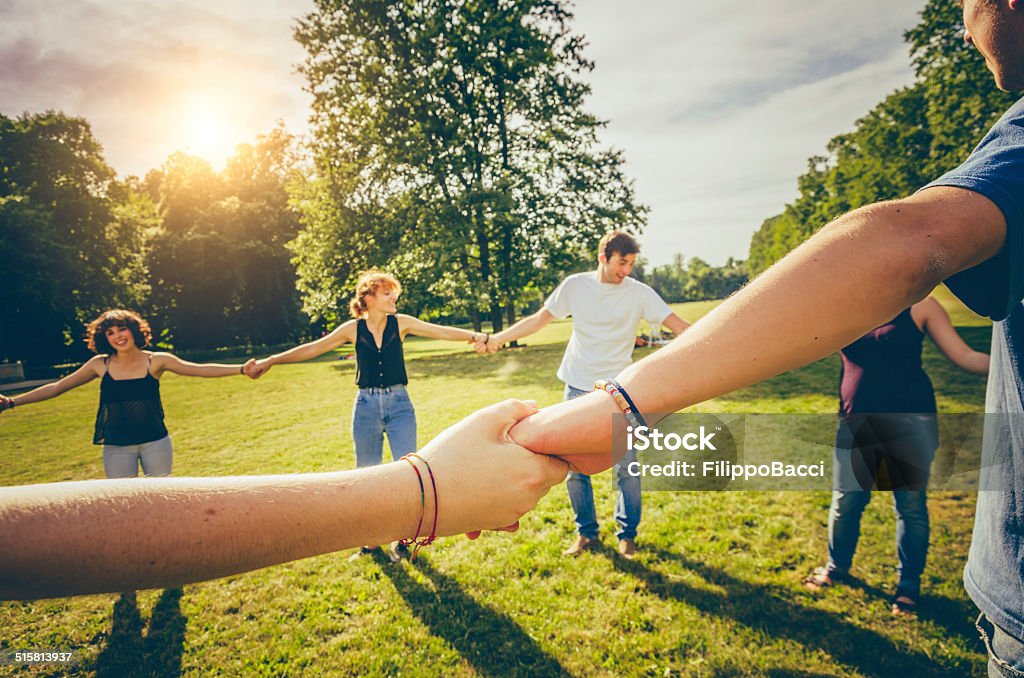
x,y
716,105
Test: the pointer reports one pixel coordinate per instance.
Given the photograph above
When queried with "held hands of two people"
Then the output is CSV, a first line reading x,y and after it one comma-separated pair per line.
x,y
518,443
488,344
485,480
578,431
5,403
254,369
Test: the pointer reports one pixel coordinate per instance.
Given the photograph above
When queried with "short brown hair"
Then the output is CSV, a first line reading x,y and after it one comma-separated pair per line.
x,y
369,282
617,242
96,331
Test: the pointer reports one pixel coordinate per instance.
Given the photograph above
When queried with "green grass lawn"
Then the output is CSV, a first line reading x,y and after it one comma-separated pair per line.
x,y
714,591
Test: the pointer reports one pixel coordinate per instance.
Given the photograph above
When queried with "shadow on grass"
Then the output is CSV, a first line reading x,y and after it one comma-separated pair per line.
x,y
767,609
157,652
955,616
488,639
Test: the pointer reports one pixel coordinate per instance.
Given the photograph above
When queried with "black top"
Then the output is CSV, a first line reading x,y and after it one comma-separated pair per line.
x,y
384,366
882,371
130,410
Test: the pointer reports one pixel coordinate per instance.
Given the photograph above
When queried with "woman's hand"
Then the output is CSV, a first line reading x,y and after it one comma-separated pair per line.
x,y
485,481
578,431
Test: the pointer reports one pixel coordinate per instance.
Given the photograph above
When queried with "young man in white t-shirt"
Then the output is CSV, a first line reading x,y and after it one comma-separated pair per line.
x,y
606,306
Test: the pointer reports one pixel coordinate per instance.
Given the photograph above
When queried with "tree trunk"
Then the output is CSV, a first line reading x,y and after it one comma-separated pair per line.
x,y
474,310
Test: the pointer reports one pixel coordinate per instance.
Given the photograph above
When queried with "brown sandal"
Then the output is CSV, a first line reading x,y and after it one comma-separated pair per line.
x,y
820,578
904,606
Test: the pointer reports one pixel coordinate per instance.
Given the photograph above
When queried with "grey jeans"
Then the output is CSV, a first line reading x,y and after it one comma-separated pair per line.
x,y
122,461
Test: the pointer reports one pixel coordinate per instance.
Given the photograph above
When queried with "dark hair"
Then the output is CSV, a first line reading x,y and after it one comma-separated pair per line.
x,y
96,331
617,242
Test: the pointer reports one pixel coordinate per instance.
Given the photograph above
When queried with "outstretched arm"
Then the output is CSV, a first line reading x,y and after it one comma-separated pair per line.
x,y
75,538
523,328
856,273
408,324
83,375
937,324
344,333
168,362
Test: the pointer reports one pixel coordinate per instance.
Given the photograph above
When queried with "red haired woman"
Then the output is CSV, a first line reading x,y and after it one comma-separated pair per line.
x,y
382,405
130,419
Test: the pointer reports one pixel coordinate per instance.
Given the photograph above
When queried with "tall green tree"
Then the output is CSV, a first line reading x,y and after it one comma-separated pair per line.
x,y
451,145
695,280
67,245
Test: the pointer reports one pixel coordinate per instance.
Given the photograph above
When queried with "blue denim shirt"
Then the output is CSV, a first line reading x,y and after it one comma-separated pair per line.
x,y
994,576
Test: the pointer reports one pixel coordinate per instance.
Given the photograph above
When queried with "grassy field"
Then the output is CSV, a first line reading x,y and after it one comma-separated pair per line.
x,y
714,591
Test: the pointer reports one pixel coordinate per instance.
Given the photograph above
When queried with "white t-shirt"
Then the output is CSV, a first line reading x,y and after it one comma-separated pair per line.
x,y
604,321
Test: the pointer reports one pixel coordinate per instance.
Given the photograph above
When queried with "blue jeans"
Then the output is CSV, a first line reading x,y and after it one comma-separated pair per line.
x,y
1005,653
883,452
378,411
581,494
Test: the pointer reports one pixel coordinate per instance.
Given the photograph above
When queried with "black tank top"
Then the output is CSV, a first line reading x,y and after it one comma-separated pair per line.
x,y
130,410
384,366
882,371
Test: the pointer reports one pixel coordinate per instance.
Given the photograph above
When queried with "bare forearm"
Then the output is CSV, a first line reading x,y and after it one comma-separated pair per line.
x,y
39,394
452,333
298,354
523,328
974,362
75,538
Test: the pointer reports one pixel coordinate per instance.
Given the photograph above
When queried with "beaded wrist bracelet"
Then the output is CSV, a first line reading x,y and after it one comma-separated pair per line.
x,y
622,399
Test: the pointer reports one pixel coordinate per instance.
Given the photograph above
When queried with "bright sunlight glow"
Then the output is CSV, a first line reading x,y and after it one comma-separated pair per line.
x,y
206,135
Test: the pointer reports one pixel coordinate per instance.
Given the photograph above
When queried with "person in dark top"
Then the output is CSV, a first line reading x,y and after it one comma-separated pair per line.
x,y
130,419
886,440
382,405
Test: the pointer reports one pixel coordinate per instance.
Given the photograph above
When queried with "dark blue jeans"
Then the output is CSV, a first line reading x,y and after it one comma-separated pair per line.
x,y
891,452
378,411
581,494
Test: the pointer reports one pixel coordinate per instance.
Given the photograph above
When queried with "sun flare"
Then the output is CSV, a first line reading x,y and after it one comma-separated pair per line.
x,y
207,136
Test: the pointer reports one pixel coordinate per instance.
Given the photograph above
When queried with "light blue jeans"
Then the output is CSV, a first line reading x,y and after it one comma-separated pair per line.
x,y
378,411
581,494
902,447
